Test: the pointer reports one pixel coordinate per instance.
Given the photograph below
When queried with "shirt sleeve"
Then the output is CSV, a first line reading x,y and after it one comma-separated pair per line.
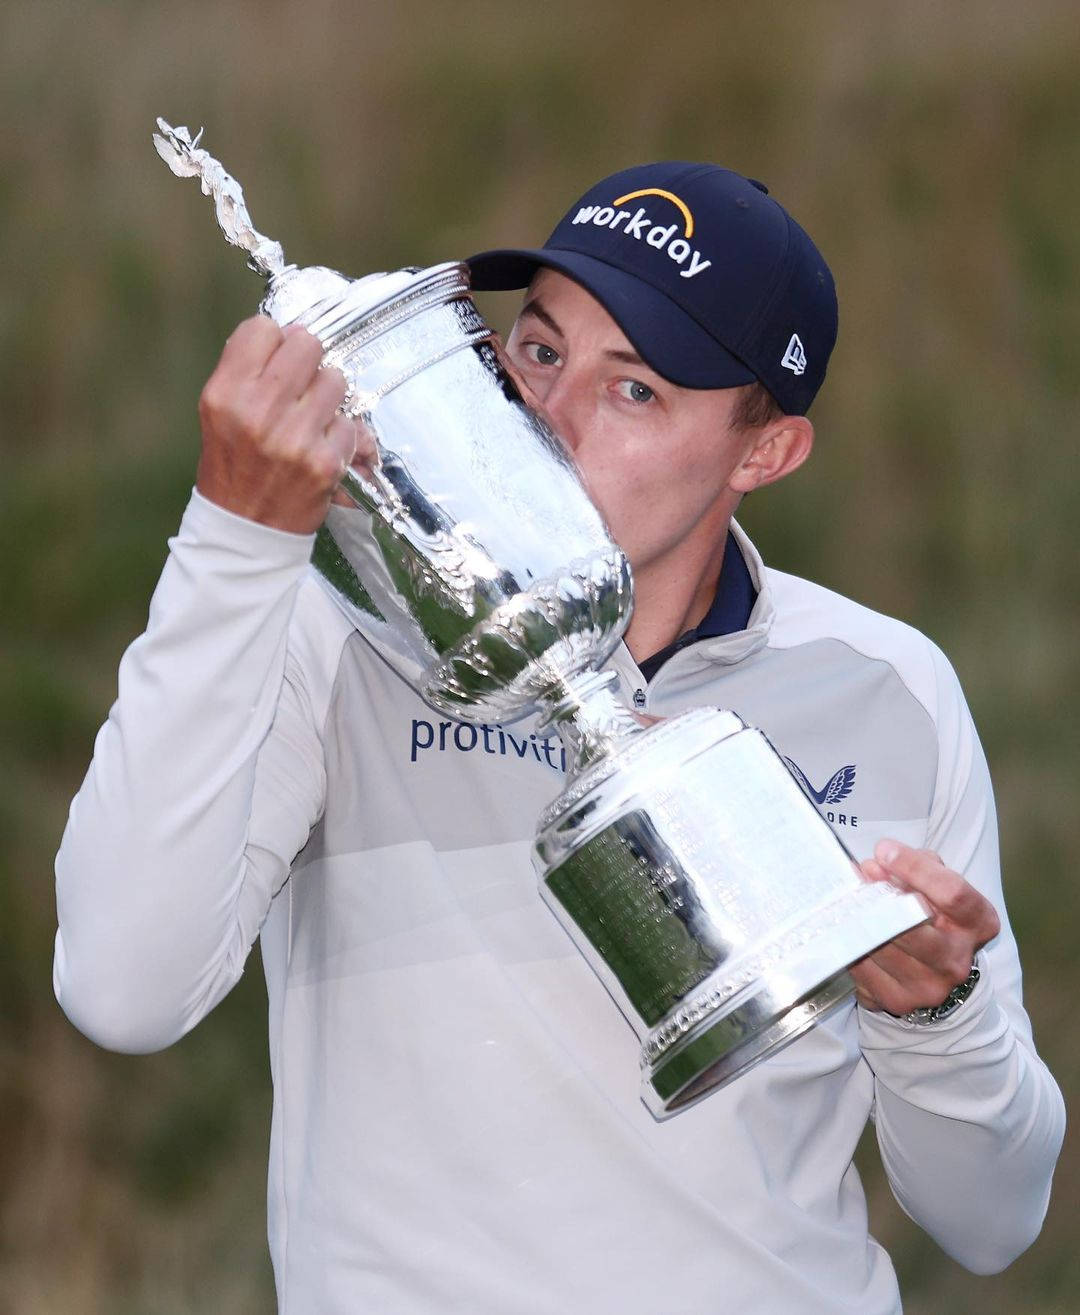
x,y
969,1121
205,782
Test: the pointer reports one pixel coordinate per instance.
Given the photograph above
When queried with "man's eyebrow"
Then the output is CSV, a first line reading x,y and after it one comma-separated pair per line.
x,y
536,309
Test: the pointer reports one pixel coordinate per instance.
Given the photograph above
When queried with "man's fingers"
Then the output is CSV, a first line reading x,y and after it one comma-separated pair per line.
x,y
328,388
288,372
261,373
312,410
903,860
893,979
873,986
919,967
341,436
366,455
321,459
929,945
249,347
949,894
872,870
918,870
364,460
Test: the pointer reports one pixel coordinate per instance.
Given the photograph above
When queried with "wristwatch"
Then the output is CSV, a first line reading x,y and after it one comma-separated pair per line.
x,y
956,997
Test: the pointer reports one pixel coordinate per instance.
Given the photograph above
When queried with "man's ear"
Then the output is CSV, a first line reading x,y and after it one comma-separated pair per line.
x,y
778,448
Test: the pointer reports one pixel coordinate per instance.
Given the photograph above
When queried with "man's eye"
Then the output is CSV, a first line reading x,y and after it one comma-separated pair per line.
x,y
635,391
541,353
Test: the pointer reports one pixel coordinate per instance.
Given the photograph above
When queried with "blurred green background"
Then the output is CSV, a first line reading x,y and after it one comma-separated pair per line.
x,y
932,149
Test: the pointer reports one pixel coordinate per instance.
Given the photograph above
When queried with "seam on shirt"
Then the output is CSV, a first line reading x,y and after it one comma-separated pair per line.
x,y
321,721
866,657
890,666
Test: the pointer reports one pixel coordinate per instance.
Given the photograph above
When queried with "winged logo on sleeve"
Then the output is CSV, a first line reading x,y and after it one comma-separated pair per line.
x,y
838,786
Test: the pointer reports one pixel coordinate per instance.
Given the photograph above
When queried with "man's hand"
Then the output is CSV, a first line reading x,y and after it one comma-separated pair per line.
x,y
274,446
920,967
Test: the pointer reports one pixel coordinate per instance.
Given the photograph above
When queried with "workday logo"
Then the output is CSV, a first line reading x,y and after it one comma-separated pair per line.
x,y
835,790
640,225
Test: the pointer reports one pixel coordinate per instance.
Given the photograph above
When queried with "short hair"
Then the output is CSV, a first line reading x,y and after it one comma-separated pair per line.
x,y
755,408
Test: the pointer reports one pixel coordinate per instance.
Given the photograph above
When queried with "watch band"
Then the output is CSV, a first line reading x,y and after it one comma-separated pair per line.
x,y
956,997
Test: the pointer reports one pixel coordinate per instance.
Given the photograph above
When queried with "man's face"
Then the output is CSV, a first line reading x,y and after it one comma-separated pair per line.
x,y
658,460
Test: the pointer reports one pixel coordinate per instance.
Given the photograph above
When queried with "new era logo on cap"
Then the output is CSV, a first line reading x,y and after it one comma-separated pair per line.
x,y
794,359
701,269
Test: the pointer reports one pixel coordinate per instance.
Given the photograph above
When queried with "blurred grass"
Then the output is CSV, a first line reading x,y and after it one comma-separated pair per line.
x,y
932,151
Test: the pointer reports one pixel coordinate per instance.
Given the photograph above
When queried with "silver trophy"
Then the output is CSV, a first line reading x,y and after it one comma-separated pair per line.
x,y
683,859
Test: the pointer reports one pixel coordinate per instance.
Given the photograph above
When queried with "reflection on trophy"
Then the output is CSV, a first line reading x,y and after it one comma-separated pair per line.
x,y
683,859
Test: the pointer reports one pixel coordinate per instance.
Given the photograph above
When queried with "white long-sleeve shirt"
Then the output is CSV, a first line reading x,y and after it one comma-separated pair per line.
x,y
456,1117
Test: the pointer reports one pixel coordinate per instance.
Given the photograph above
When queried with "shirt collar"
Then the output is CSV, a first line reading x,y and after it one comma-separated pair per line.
x,y
728,613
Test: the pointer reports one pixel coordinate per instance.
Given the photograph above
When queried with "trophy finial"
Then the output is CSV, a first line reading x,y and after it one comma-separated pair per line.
x,y
181,152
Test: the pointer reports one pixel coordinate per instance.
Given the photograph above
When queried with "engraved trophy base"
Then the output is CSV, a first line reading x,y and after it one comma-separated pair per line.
x,y
711,898
728,1046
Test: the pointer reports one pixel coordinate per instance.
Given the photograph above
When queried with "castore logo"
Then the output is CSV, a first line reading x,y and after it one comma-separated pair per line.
x,y
834,791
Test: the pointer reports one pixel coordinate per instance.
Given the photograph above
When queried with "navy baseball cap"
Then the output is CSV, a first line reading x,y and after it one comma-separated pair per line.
x,y
711,279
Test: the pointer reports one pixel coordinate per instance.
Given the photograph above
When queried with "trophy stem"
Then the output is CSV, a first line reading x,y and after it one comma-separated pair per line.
x,y
592,723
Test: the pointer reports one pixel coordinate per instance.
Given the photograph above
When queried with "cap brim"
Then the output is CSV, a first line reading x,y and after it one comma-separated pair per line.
x,y
669,340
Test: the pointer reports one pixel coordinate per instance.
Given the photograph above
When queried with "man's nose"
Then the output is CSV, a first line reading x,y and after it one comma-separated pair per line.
x,y
562,403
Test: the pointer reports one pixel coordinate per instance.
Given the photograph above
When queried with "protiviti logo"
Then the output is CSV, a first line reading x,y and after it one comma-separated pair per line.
x,y
639,224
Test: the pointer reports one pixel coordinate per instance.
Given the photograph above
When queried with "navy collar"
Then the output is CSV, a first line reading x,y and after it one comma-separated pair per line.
x,y
730,610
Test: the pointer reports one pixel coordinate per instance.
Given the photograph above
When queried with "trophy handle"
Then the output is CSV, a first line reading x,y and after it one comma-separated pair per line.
x,y
412,531
365,492
182,153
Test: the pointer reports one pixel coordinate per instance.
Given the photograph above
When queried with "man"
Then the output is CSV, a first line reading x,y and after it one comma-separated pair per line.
x,y
456,1122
